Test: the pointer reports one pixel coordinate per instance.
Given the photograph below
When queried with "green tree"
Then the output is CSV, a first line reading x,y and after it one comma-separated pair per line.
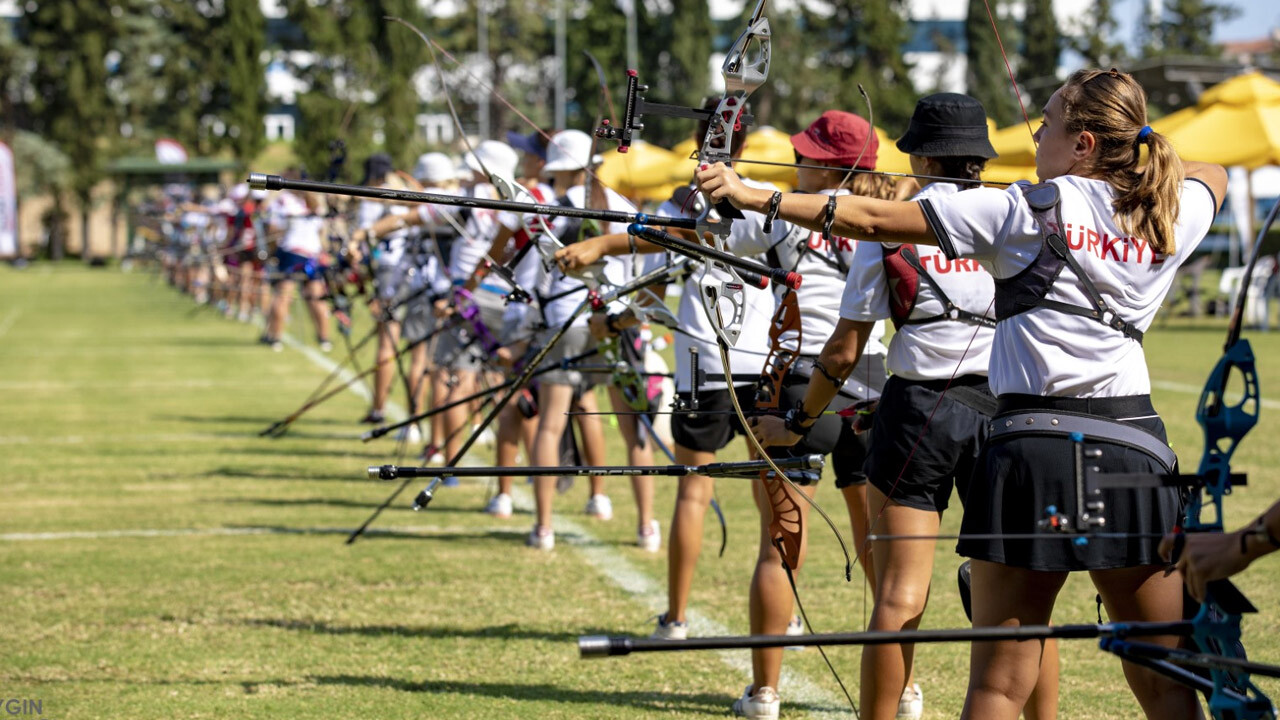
x,y
1185,27
857,44
1042,48
71,108
601,31
340,79
1096,38
241,94
985,76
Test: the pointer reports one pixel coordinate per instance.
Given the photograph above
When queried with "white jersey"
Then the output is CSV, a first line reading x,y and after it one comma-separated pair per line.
x,y
568,292
303,230
526,228
1049,353
745,358
935,350
390,249
824,267
470,248
437,221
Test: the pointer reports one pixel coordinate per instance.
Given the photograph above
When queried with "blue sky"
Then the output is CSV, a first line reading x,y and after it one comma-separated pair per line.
x,y
1257,17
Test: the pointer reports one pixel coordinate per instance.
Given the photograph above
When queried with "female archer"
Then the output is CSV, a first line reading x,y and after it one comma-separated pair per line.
x,y
1081,263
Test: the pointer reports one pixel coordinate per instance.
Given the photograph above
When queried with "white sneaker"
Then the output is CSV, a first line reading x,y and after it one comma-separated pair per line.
x,y
325,346
409,434
673,630
763,704
542,538
499,506
277,346
911,704
795,628
649,537
600,507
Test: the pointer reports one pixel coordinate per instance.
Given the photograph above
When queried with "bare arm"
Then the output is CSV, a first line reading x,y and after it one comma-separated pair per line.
x,y
860,217
1215,176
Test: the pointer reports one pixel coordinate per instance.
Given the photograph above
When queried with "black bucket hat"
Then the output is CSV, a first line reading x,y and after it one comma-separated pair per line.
x,y
948,125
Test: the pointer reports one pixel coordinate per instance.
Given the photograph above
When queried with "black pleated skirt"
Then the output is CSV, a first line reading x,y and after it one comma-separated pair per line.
x,y
1019,478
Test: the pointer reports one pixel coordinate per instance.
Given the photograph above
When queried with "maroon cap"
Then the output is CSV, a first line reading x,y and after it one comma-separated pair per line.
x,y
838,136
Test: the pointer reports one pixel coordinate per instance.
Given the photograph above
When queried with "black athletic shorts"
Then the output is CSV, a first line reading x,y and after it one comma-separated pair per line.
x,y
925,441
1022,475
712,430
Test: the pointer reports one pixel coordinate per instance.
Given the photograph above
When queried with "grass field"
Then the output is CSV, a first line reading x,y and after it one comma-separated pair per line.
x,y
159,560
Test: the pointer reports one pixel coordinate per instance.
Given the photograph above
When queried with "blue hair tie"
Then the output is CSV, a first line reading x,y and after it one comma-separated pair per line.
x,y
1144,133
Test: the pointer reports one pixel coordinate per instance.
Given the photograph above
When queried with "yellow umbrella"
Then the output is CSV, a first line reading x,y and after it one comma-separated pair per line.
x,y
643,166
771,145
1014,145
1236,122
889,158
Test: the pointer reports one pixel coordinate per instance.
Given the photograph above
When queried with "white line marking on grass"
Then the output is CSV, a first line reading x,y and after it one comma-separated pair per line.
x,y
9,319
617,569
1193,390
417,530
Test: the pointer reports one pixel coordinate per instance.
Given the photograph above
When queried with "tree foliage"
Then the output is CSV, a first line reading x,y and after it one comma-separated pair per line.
x,y
1042,48
1185,27
985,73
1095,39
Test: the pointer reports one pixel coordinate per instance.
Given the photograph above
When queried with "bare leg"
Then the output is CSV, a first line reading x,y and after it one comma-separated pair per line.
x,y
553,403
1043,703
385,372
455,418
280,309
903,571
1002,674
641,485
1145,594
592,431
684,544
860,517
510,424
319,310
771,598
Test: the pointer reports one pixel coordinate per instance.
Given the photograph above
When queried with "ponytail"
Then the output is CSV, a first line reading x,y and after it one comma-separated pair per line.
x,y
1112,106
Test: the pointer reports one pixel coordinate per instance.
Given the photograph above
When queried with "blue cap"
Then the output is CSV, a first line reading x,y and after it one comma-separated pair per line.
x,y
531,143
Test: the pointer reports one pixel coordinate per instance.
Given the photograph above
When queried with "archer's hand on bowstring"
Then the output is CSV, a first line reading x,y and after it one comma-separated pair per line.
x,y
1205,557
442,308
771,431
580,254
504,357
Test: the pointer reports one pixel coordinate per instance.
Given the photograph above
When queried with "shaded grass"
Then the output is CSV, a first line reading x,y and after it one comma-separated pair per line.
x,y
124,410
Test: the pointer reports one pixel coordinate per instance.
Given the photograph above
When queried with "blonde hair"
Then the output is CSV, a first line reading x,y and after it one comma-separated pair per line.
x,y
1112,106
878,187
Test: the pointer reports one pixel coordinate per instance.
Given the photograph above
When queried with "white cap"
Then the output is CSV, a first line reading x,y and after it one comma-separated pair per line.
x,y
569,150
238,192
493,156
435,167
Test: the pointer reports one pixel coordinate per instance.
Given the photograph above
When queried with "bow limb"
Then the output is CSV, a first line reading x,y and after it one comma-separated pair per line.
x,y
1225,424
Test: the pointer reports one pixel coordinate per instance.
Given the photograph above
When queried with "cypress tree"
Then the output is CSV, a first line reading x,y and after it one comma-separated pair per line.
x,y
985,75
1095,41
71,107
1042,46
1186,27
242,38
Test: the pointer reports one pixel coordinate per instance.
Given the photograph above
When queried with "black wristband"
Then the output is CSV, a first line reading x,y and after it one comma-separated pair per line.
x,y
774,201
837,382
830,219
794,420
